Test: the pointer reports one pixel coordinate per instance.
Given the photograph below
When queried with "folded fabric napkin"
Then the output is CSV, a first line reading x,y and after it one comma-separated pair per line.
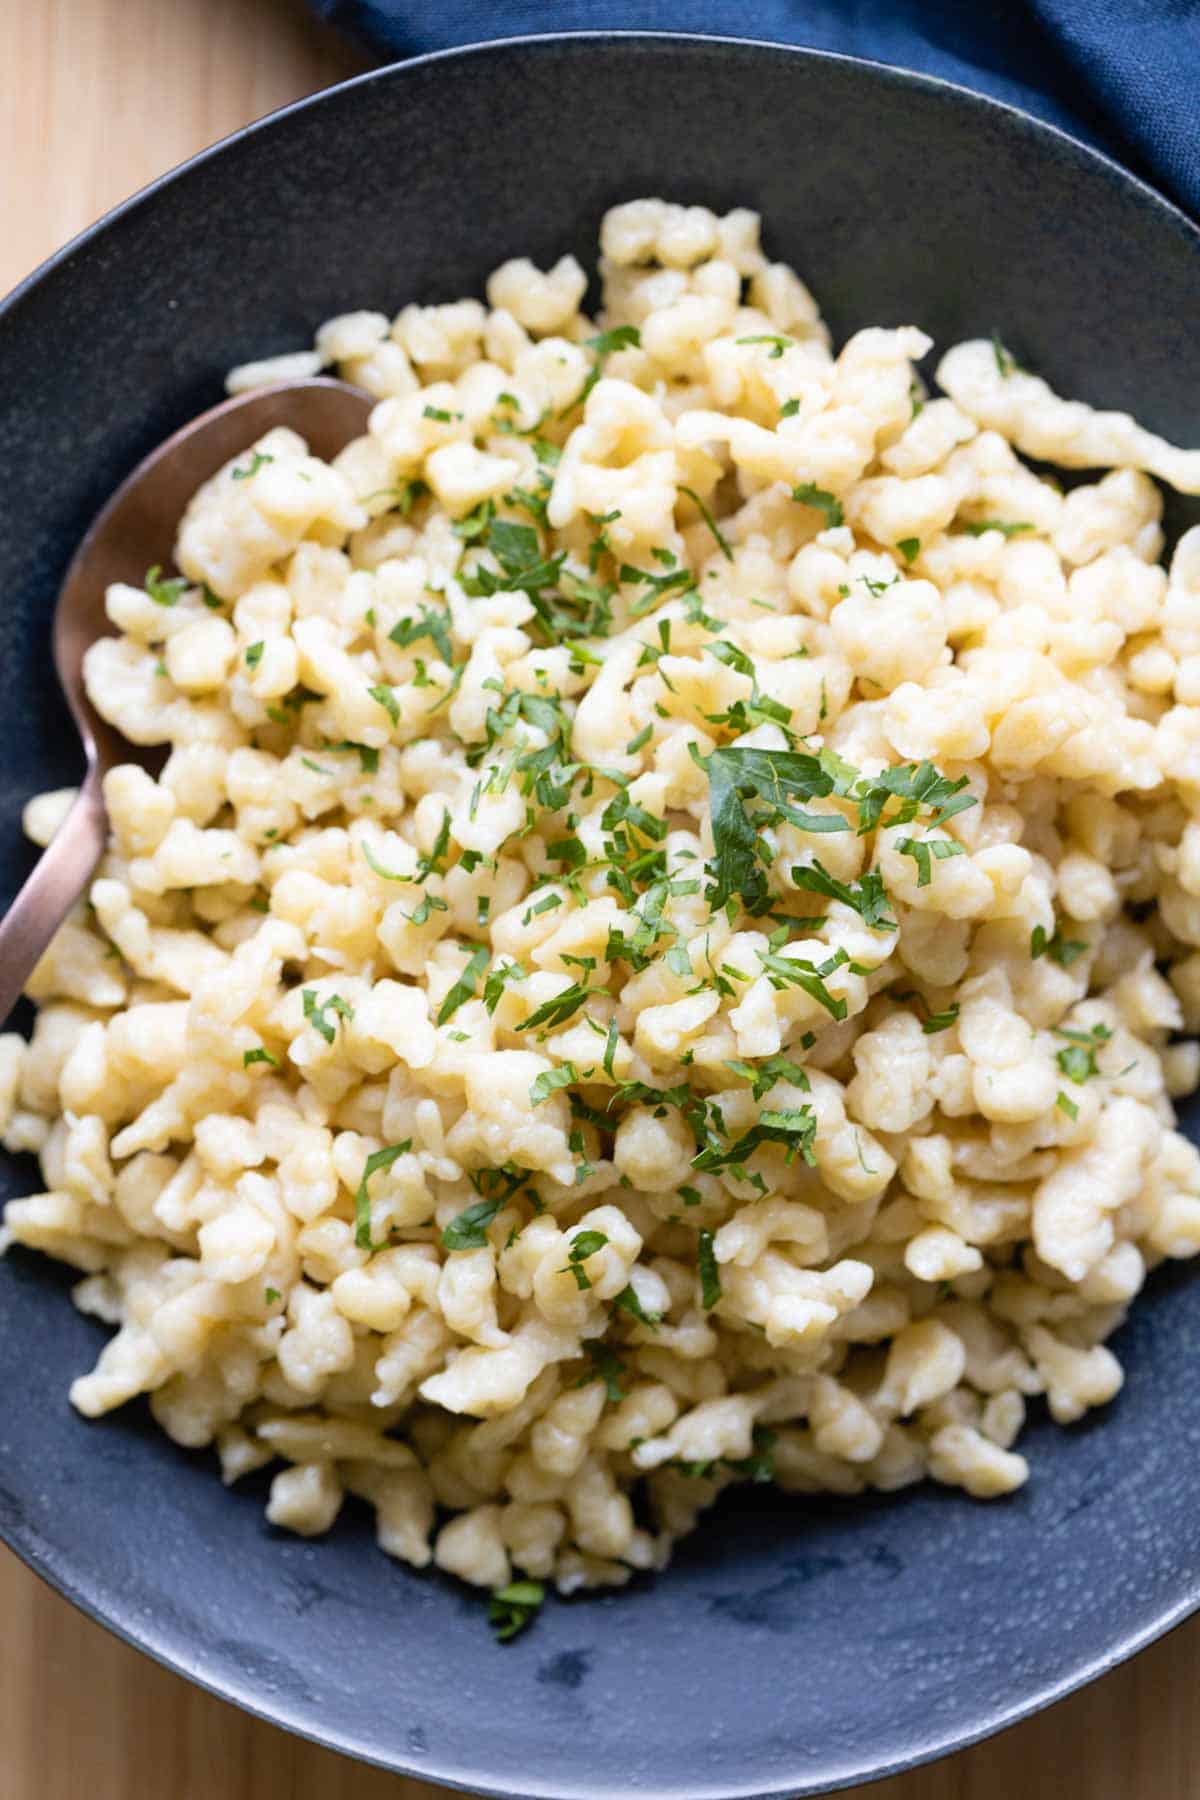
x,y
1122,74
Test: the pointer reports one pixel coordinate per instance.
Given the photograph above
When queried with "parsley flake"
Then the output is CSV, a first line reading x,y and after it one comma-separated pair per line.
x,y
464,987
710,1274
163,592
808,494
606,1367
315,1012
1006,527
383,696
545,1084
430,624
1063,951
468,1229
867,896
512,1608
378,1159
1006,362
257,459
628,1302
584,1245
777,342
706,515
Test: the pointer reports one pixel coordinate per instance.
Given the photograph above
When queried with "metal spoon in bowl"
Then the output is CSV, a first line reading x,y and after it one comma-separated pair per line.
x,y
129,535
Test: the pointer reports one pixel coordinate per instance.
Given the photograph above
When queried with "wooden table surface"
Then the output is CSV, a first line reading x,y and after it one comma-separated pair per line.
x,y
96,98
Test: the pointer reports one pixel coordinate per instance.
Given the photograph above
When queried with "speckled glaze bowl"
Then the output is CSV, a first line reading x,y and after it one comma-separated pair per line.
x,y
794,1645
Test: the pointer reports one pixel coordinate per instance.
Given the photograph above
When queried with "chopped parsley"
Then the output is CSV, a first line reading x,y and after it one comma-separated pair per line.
x,y
497,980
163,592
721,540
781,777
808,494
368,758
558,1009
606,1367
257,460
796,971
910,549
377,868
1006,362
404,496
464,987
378,1159
710,1274
383,696
468,1229
604,345
628,1302
259,1055
1077,1059
425,907
316,1011
512,1608
1006,527
254,654
430,624
762,1079
777,342
584,1245
1063,951
794,1127
867,896
550,1080
924,850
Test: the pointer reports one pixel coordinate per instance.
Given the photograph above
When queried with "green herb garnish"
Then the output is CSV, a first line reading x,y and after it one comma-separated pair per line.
x,y
710,1275
1063,951
512,1608
315,1012
163,592
584,1244
706,515
257,459
468,1229
777,342
464,987
378,1159
808,494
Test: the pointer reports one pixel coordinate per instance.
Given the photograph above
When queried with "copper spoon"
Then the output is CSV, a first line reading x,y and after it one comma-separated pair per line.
x,y
130,534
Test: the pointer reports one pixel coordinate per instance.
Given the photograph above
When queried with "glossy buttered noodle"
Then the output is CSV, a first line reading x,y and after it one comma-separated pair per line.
x,y
656,955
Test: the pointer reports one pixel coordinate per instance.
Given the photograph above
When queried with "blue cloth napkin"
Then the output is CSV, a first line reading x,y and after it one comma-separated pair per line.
x,y
1122,74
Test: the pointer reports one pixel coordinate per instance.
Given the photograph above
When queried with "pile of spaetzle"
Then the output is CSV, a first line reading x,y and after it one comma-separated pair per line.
x,y
658,953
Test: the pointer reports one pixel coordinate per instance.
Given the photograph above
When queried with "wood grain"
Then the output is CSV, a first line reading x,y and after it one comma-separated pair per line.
x,y
97,97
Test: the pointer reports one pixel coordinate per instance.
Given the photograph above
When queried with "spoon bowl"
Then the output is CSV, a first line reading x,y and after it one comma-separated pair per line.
x,y
129,535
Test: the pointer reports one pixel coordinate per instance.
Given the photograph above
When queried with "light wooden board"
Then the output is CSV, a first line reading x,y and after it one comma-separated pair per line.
x,y
96,98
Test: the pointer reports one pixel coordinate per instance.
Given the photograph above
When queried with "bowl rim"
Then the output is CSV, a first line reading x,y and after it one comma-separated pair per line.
x,y
23,1541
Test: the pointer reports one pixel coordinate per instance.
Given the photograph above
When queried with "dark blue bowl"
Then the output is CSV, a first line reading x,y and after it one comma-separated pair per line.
x,y
794,1646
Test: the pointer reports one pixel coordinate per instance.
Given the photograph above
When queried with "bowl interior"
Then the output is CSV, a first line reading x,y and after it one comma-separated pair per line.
x,y
795,1644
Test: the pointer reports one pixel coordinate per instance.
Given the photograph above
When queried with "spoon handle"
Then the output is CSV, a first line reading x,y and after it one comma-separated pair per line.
x,y
51,890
